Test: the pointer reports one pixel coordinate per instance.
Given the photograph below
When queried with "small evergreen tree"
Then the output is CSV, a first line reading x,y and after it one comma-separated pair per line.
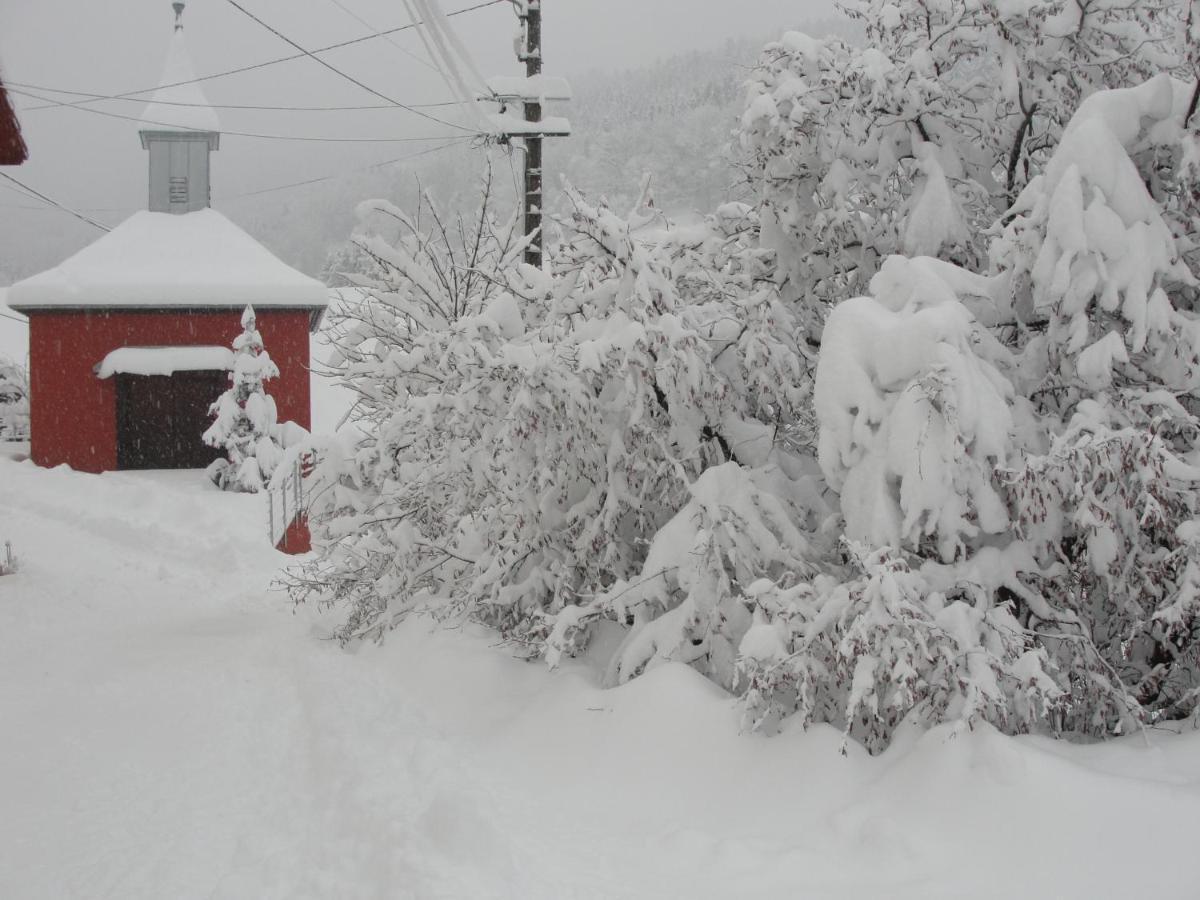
x,y
246,421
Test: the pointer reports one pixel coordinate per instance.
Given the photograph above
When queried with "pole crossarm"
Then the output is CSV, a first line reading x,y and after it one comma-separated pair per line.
x,y
531,93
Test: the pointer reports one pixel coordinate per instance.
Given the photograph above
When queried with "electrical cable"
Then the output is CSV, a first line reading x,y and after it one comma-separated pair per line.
x,y
339,72
361,21
440,47
272,62
248,134
378,165
98,97
53,202
279,187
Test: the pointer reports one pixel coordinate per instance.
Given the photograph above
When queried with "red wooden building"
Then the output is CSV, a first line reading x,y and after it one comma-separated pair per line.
x,y
12,146
129,338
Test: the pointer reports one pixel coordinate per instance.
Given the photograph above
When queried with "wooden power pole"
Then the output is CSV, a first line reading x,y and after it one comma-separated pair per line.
x,y
533,142
531,91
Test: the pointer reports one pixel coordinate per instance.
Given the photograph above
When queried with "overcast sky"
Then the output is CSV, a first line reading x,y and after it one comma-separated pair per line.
x,y
92,162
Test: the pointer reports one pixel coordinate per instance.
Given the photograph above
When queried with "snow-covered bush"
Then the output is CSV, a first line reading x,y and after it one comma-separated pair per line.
x,y
530,436
14,401
1112,362
884,643
915,416
245,423
916,142
914,622
977,502
8,560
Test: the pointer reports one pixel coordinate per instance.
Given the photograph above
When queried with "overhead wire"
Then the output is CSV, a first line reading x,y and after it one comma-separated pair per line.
x,y
39,195
182,103
379,165
442,44
49,102
225,131
271,62
457,141
361,21
339,72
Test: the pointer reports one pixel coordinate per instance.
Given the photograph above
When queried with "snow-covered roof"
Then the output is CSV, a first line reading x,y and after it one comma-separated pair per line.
x,y
163,360
152,260
161,114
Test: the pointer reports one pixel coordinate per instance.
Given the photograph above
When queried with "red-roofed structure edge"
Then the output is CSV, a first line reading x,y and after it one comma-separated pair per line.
x,y
13,151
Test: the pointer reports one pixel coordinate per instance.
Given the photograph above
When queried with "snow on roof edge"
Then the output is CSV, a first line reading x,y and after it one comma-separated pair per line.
x,y
198,260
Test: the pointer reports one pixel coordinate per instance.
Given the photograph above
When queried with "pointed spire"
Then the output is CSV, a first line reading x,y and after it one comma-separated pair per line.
x,y
180,130
178,86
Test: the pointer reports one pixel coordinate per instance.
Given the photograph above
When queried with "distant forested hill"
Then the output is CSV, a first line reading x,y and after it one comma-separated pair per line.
x,y
673,119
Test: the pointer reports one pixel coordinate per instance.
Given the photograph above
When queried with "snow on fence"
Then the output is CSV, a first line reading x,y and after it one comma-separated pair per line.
x,y
285,498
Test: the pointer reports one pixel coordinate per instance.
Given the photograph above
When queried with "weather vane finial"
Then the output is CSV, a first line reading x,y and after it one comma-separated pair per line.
x,y
178,7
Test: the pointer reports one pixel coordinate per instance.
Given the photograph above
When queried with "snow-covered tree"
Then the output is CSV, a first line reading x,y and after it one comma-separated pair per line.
x,y
918,141
910,441
1112,362
531,436
245,423
14,401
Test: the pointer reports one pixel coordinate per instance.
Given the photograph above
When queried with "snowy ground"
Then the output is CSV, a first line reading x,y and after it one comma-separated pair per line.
x,y
171,728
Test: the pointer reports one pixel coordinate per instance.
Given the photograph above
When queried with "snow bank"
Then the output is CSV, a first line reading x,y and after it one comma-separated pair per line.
x,y
174,729
200,259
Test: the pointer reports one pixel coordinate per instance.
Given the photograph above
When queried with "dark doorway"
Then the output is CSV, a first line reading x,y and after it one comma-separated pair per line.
x,y
160,419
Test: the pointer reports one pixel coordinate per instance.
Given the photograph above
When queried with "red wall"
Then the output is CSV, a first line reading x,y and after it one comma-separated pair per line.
x,y
73,414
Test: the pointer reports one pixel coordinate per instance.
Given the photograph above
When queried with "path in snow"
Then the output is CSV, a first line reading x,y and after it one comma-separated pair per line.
x,y
171,728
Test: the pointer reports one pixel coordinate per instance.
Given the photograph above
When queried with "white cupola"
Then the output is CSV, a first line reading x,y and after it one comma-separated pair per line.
x,y
180,129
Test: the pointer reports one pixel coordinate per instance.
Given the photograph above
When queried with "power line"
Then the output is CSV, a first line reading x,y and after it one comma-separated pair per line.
x,y
378,165
97,97
54,202
273,61
361,21
14,318
279,187
248,134
339,72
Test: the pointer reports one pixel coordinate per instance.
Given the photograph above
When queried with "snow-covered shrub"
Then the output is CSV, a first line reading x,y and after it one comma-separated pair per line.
x,y
529,437
916,623
998,518
884,643
914,415
8,560
14,401
1090,254
688,601
1111,359
245,423
918,141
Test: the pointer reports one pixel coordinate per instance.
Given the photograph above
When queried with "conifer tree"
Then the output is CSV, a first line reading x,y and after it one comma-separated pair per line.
x,y
245,422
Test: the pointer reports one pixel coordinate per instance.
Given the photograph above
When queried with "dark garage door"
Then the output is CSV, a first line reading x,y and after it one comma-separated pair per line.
x,y
160,419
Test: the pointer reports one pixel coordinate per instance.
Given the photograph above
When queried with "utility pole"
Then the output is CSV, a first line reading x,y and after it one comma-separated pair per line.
x,y
531,91
533,142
